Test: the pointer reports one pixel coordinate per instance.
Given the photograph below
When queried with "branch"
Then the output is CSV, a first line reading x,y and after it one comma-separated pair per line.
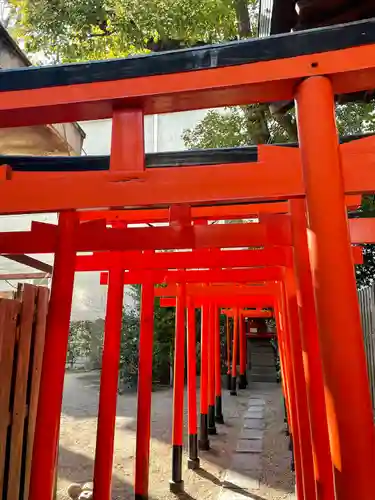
x,y
95,35
288,124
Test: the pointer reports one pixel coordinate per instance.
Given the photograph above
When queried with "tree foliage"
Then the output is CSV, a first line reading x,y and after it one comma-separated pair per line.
x,y
74,30
237,126
230,127
85,341
162,343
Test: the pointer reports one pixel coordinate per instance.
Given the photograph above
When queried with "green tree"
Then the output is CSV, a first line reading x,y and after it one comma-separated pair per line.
x,y
229,127
74,30
80,341
162,344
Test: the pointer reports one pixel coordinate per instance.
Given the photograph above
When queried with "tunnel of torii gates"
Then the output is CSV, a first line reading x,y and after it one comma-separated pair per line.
x,y
301,266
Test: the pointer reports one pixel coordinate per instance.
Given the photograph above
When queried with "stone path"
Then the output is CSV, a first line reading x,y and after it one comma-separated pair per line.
x,y
243,476
259,468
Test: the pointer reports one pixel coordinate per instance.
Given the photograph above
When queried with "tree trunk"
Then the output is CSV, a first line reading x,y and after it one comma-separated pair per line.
x,y
256,122
243,18
256,114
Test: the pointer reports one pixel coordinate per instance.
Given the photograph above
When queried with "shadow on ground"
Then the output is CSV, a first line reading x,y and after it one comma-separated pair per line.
x,y
81,403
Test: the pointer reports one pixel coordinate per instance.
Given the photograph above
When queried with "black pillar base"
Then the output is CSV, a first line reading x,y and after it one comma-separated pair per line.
x,y
233,388
211,420
243,382
193,464
193,460
229,381
176,485
138,496
203,443
219,419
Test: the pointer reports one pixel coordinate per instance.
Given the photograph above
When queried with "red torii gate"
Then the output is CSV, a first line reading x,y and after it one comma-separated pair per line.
x,y
144,384
208,298
301,447
139,276
310,67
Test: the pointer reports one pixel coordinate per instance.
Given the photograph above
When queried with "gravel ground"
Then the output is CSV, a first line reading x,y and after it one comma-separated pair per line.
x,y
78,434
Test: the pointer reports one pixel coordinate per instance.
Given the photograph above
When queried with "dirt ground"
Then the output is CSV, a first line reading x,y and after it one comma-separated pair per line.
x,y
78,434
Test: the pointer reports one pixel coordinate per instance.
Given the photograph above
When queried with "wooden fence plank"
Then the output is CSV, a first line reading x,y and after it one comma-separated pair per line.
x,y
20,391
34,380
9,310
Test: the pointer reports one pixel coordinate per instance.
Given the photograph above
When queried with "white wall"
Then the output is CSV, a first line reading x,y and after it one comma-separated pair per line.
x,y
162,133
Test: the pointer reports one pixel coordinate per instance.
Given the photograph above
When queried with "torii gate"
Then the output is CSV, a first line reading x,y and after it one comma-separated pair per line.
x,y
310,67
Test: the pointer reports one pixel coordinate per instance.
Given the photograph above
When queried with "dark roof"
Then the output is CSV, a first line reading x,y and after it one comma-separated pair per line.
x,y
13,45
283,16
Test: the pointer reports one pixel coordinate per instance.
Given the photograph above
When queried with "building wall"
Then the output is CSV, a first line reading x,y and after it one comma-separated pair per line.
x,y
162,132
60,139
10,58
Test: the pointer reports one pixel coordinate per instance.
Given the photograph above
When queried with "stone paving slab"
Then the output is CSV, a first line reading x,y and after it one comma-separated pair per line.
x,y
254,423
256,409
243,475
251,434
252,413
254,402
246,462
249,446
245,481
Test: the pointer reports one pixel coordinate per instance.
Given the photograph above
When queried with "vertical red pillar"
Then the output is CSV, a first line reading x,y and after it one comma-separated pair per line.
x,y
218,400
347,396
108,386
127,144
233,391
302,414
242,334
311,353
228,340
176,484
193,461
54,359
280,329
211,372
283,325
204,443
146,335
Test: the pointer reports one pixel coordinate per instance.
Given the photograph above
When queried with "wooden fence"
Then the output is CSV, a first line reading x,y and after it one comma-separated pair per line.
x,y
22,333
367,307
